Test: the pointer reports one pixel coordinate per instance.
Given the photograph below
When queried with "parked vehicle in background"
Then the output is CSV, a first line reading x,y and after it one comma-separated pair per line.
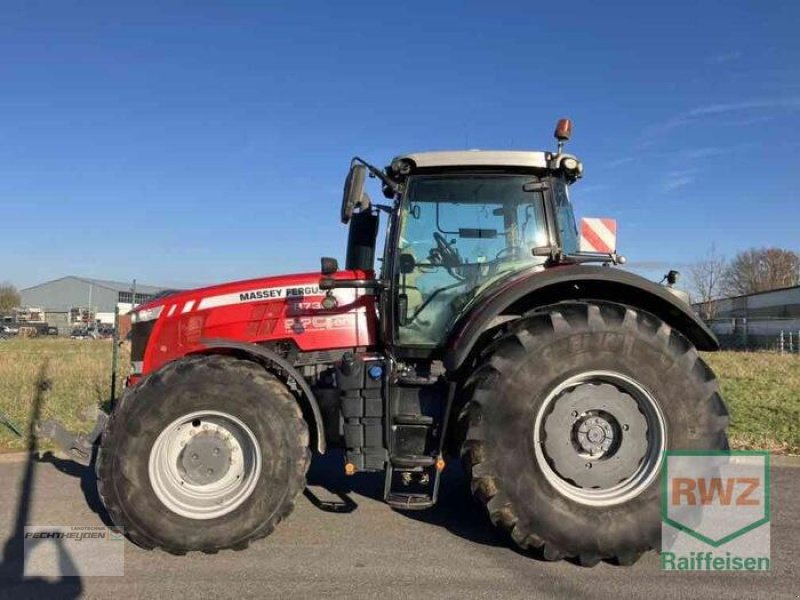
x,y
100,332
9,329
26,329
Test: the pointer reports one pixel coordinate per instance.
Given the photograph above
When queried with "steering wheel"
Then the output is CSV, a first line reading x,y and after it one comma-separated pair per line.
x,y
445,255
449,256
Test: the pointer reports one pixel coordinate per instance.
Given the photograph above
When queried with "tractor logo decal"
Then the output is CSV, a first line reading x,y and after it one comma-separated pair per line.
x,y
279,293
296,291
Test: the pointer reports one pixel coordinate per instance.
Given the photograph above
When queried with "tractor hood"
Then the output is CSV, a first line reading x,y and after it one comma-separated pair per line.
x,y
274,287
283,308
293,287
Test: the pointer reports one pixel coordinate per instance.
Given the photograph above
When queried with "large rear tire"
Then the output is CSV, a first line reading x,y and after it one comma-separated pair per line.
x,y
208,453
569,413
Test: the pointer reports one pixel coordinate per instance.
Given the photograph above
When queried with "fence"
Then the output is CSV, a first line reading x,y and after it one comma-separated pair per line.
x,y
741,333
789,342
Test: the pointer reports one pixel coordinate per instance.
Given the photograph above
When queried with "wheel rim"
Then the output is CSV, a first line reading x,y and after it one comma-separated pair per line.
x,y
599,438
204,464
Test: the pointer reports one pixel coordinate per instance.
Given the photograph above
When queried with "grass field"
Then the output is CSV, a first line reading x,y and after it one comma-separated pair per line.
x,y
762,390
77,377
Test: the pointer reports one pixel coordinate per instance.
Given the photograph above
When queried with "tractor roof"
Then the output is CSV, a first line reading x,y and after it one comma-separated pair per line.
x,y
478,158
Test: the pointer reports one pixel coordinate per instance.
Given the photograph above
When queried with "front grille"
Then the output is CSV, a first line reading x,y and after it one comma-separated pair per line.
x,y
140,333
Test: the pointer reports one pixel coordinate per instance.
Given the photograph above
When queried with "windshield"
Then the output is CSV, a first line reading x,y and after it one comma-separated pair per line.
x,y
457,234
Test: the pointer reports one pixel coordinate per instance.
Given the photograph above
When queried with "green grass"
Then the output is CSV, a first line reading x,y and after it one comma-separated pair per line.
x,y
76,374
762,390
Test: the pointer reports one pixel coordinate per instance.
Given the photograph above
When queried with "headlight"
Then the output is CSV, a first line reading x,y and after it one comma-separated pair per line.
x,y
148,314
570,164
403,167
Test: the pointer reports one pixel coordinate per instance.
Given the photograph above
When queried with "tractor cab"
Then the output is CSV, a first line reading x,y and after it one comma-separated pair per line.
x,y
458,232
459,223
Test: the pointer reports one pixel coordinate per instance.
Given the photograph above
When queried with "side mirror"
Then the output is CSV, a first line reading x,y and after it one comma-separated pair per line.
x,y
329,265
598,236
353,191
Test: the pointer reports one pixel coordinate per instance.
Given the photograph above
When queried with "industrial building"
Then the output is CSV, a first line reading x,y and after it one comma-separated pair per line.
x,y
758,320
70,300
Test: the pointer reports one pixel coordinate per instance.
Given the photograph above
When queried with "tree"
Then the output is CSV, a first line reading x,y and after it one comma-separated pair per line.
x,y
706,278
9,297
762,269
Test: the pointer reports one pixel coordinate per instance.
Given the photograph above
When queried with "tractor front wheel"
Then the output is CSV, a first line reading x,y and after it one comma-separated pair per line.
x,y
569,414
205,454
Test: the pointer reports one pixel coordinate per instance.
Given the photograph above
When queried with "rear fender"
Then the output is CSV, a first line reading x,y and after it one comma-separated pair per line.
x,y
525,292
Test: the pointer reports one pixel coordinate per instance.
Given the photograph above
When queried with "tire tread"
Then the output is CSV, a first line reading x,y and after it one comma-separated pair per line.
x,y
108,483
498,361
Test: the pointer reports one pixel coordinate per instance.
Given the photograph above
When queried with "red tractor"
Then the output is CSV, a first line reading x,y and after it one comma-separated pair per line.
x,y
486,334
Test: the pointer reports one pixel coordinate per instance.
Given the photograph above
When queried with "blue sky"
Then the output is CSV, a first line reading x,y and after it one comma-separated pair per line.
x,y
193,142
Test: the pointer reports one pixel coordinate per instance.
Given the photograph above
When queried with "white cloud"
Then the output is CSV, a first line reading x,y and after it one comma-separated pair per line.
x,y
748,121
708,151
761,103
666,126
724,57
692,116
634,265
681,173
678,179
618,162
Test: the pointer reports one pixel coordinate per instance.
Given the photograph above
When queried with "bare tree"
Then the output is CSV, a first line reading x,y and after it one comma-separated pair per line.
x,y
9,297
706,277
762,269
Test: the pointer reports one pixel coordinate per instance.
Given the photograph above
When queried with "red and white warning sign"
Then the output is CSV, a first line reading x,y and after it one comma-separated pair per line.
x,y
598,236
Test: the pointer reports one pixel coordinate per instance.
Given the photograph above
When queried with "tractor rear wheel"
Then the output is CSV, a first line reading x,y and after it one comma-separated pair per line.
x,y
569,414
208,453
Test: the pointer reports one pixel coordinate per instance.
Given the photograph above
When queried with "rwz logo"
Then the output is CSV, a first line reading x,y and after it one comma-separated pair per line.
x,y
714,499
703,491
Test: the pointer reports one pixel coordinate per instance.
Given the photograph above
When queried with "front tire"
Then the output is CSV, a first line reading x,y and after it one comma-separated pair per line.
x,y
208,453
569,413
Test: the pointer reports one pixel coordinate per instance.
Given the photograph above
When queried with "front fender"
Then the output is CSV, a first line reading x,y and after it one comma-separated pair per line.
x,y
270,357
529,290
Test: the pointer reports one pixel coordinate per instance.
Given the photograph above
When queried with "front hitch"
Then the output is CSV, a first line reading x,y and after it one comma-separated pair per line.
x,y
77,445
